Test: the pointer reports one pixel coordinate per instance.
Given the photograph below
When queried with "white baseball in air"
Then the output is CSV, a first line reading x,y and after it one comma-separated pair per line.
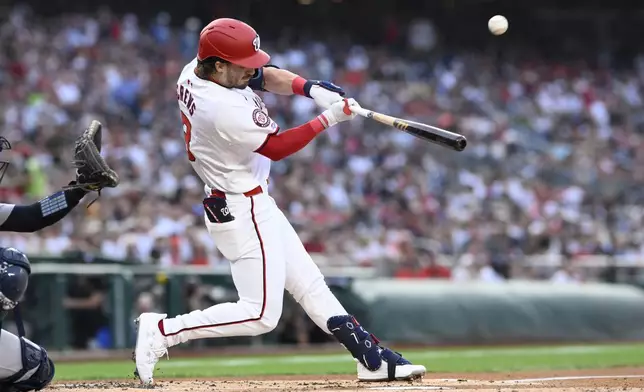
x,y
497,24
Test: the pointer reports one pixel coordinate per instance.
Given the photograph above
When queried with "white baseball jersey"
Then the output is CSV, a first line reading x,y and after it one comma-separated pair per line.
x,y
223,127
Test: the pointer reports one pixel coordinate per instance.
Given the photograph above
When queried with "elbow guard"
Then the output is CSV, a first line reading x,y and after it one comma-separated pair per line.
x,y
257,81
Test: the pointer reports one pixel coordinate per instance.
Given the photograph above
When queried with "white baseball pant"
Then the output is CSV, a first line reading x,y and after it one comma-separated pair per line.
x,y
266,257
11,357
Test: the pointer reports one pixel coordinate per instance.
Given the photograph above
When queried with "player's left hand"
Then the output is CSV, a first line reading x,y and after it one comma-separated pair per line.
x,y
325,93
338,112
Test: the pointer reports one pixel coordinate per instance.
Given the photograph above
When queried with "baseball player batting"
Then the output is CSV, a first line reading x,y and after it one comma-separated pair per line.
x,y
230,142
24,365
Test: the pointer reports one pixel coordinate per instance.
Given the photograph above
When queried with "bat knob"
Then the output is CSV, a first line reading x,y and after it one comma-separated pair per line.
x,y
460,144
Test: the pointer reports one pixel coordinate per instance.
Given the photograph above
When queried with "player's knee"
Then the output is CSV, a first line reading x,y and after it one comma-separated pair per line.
x,y
37,372
266,325
270,318
265,318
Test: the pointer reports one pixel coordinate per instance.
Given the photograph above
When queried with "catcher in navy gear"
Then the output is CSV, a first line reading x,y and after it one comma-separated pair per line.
x,y
24,365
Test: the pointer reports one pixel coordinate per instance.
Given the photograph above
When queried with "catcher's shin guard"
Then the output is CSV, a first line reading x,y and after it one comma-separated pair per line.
x,y
37,368
360,343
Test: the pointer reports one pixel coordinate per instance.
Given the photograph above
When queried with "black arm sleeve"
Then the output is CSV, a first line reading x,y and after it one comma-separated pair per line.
x,y
46,212
257,81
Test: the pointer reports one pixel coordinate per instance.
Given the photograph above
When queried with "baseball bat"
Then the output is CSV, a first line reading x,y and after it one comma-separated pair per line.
x,y
425,132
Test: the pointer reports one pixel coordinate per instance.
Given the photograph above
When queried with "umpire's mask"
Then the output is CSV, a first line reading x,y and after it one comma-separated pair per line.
x,y
4,145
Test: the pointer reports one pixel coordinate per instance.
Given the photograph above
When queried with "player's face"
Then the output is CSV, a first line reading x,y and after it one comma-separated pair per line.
x,y
236,76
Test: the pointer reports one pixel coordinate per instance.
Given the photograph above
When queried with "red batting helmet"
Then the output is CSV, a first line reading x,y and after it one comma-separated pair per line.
x,y
233,41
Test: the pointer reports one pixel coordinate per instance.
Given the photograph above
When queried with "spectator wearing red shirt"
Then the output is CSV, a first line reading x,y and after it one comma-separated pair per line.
x,y
424,265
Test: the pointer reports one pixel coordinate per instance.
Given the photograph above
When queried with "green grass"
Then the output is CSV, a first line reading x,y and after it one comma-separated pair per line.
x,y
436,360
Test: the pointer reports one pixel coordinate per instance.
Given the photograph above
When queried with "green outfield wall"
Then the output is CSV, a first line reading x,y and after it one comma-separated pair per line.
x,y
406,311
441,312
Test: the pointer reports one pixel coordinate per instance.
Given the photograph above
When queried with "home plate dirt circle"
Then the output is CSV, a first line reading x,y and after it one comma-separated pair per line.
x,y
623,379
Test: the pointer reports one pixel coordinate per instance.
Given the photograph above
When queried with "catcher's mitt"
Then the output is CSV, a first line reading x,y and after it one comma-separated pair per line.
x,y
92,172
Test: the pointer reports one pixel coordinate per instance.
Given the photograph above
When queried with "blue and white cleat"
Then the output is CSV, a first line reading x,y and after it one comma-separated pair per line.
x,y
393,368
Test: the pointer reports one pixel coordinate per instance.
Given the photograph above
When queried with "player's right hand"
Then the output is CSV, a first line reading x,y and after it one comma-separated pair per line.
x,y
340,111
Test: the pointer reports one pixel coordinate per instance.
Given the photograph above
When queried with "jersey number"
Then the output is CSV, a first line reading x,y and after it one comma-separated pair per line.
x,y
187,135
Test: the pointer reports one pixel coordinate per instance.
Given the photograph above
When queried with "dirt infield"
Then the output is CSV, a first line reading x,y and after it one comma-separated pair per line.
x,y
618,379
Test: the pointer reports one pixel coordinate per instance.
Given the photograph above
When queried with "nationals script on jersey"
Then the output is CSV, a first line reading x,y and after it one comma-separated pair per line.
x,y
223,128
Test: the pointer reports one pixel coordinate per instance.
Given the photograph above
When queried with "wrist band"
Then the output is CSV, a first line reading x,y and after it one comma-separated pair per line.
x,y
322,121
302,86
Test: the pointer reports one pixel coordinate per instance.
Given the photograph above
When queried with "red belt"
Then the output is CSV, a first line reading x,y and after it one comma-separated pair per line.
x,y
252,192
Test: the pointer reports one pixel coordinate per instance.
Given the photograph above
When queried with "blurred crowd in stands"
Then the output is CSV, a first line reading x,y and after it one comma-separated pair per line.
x,y
554,156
